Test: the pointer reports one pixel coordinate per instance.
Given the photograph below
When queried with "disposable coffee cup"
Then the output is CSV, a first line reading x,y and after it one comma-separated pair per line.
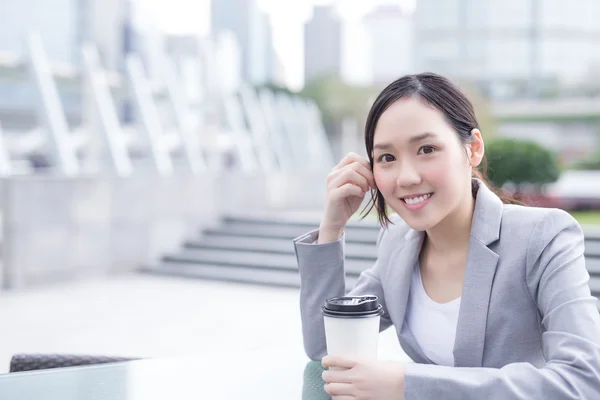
x,y
352,326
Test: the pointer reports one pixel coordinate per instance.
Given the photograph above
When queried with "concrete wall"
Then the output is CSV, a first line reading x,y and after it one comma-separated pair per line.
x,y
57,229
63,229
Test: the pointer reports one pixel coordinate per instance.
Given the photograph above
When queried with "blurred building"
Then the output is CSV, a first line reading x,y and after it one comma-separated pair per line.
x,y
280,75
61,32
390,32
252,29
511,48
63,26
322,44
261,60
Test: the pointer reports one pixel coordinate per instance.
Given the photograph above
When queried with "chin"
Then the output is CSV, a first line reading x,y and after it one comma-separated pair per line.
x,y
419,224
414,222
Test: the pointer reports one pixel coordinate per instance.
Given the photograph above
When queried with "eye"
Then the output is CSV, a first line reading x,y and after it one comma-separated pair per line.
x,y
385,158
427,150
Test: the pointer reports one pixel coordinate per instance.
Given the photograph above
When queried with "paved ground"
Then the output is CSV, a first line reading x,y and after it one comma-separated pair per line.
x,y
141,315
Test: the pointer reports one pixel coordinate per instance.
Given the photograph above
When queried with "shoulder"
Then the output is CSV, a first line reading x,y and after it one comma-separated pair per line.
x,y
545,222
542,230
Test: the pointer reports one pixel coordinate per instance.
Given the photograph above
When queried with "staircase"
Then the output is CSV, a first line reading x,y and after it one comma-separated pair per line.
x,y
260,251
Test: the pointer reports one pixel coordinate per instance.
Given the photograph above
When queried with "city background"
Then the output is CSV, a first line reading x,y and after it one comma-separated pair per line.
x,y
155,154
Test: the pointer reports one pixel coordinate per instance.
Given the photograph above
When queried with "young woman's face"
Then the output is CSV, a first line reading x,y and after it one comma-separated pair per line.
x,y
419,164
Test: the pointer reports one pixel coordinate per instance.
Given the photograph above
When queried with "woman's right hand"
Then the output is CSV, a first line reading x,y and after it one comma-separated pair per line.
x,y
347,185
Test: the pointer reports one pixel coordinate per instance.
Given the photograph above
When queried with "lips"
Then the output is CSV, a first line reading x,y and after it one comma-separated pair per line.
x,y
416,199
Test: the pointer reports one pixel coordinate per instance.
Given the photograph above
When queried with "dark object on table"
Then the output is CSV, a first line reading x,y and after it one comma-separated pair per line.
x,y
32,362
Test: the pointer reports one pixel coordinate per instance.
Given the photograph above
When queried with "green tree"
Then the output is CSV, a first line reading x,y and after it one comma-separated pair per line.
x,y
520,162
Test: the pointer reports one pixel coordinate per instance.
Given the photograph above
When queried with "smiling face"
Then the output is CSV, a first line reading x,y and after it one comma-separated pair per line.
x,y
420,165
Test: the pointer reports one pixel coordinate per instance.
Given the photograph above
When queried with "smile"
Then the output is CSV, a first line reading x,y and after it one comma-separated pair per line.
x,y
416,200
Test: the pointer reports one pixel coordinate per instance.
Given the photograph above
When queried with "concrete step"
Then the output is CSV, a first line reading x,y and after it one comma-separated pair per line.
x,y
259,250
269,245
238,274
592,264
595,286
591,231
592,248
252,260
301,228
280,253
228,242
262,260
274,231
305,223
268,269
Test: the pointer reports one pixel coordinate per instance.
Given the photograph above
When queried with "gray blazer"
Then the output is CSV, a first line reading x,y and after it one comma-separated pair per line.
x,y
528,327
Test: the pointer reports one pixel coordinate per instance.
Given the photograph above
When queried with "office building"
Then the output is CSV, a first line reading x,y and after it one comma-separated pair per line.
x,y
322,44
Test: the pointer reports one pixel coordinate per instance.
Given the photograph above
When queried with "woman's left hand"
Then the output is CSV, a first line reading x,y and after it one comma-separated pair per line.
x,y
361,379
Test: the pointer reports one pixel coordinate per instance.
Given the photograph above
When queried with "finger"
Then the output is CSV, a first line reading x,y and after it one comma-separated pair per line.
x,y
359,168
349,189
343,398
350,176
338,389
351,158
337,361
366,172
330,376
347,160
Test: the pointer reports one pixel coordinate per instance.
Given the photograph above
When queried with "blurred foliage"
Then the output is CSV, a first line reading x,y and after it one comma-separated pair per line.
x,y
590,163
487,122
587,217
520,162
338,100
275,88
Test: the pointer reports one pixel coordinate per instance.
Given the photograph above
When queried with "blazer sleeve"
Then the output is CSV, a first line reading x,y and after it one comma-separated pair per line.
x,y
559,283
322,276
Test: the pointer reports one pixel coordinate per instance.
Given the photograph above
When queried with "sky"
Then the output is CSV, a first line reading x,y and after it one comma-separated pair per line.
x,y
287,19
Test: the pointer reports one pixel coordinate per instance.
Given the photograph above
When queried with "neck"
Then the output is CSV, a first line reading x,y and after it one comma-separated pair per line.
x,y
452,233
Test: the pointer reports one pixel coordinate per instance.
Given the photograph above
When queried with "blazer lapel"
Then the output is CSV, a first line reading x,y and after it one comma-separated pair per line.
x,y
479,276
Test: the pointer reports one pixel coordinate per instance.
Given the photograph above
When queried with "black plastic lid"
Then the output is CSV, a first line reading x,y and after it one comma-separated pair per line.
x,y
352,307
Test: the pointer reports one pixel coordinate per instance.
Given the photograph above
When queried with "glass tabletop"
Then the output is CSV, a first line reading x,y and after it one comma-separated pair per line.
x,y
258,374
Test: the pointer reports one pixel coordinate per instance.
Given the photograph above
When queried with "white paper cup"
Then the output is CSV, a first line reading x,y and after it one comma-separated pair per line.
x,y
352,326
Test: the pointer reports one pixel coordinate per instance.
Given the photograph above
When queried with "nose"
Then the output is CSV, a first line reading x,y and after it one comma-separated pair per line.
x,y
408,175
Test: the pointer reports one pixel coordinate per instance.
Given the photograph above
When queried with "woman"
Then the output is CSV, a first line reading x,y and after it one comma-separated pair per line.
x,y
491,300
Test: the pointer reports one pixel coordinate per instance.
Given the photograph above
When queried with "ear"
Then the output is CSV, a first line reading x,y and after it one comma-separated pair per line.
x,y
476,148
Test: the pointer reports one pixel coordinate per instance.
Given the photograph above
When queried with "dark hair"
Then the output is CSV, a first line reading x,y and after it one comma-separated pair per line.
x,y
443,95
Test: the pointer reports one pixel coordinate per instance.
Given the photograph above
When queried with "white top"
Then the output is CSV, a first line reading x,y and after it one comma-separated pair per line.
x,y
433,324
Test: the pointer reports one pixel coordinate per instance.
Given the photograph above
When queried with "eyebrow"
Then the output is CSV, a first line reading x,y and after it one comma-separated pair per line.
x,y
414,139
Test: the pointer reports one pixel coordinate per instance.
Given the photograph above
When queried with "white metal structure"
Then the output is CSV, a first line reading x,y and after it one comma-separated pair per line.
x,y
104,112
50,111
247,130
5,165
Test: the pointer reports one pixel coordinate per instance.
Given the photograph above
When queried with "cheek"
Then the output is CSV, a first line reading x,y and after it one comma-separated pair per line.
x,y
443,171
437,174
385,180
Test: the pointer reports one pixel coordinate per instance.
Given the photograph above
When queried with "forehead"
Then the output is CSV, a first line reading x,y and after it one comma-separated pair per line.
x,y
409,117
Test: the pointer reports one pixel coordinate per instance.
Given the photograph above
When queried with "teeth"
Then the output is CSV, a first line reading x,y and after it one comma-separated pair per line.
x,y
417,200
